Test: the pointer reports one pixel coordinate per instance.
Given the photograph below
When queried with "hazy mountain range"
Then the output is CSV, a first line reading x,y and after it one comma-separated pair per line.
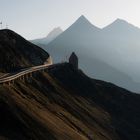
x,y
60,102
51,36
110,54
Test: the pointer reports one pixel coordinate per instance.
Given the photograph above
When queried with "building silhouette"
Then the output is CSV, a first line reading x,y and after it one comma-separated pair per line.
x,y
74,60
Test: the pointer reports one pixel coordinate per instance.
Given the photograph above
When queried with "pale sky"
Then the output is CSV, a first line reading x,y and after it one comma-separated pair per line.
x,y
36,18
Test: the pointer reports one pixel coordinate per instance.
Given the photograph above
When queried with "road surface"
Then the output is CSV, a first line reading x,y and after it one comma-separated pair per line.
x,y
12,76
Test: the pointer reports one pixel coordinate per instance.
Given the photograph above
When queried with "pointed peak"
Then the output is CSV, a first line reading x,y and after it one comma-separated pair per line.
x,y
82,18
118,23
55,32
118,20
82,23
58,29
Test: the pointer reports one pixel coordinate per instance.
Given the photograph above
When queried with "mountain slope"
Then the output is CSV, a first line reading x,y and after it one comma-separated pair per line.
x,y
122,30
63,103
50,37
17,53
97,55
79,33
124,38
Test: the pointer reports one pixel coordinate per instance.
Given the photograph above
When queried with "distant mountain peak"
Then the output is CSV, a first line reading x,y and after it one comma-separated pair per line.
x,y
83,23
55,32
120,24
120,21
58,28
51,36
83,19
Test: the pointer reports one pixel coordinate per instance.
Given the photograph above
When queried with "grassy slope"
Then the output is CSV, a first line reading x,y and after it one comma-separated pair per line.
x,y
63,104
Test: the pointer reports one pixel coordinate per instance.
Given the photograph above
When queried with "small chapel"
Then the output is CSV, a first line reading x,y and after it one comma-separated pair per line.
x,y
74,60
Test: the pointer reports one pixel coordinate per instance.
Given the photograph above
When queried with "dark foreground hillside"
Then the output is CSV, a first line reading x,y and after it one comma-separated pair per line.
x,y
64,104
17,53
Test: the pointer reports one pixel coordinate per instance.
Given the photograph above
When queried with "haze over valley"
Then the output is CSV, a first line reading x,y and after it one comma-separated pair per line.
x,y
110,54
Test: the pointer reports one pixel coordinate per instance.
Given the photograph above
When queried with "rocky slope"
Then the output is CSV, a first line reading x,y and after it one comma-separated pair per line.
x,y
17,53
64,104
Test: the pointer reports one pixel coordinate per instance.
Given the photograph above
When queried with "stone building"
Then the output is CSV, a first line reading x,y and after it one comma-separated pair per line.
x,y
74,60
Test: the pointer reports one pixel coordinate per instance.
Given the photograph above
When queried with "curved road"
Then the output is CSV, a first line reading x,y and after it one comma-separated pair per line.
x,y
13,76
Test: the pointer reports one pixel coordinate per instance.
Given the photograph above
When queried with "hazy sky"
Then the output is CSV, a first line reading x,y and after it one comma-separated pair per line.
x,y
35,18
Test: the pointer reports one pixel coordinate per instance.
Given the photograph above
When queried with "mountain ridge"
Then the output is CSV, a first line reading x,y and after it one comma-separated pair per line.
x,y
116,45
50,37
17,53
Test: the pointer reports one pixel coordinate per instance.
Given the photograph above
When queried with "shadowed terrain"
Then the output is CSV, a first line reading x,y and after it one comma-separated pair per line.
x,y
17,53
63,103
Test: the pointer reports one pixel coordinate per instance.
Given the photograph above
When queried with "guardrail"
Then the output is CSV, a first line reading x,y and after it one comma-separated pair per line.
x,y
17,75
